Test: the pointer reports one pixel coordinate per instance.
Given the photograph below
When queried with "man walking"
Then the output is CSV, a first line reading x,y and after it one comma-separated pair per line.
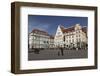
x,y
60,52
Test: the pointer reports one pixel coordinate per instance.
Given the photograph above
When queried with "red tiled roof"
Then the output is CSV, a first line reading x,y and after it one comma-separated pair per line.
x,y
66,30
70,29
84,29
52,37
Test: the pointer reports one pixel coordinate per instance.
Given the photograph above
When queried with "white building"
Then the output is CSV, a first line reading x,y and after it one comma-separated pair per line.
x,y
51,42
72,37
40,39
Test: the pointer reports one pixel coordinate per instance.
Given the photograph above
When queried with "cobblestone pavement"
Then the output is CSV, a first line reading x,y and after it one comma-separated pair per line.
x,y
48,54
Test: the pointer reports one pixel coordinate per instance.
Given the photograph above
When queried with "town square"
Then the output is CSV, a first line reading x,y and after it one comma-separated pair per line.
x,y
66,43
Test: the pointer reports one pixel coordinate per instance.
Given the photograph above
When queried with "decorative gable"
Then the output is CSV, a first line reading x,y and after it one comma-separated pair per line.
x,y
59,31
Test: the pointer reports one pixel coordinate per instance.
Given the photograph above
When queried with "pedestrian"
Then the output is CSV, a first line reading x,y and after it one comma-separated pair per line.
x,y
36,51
62,52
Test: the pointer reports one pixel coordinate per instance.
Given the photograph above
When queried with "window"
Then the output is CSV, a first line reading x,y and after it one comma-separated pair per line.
x,y
69,40
44,41
34,37
66,40
76,40
73,40
79,40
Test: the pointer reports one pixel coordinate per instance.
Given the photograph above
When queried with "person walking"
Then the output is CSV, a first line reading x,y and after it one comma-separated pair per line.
x,y
62,51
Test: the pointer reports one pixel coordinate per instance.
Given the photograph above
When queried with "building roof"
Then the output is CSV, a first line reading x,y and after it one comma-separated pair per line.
x,y
71,29
52,37
37,31
66,30
84,29
41,32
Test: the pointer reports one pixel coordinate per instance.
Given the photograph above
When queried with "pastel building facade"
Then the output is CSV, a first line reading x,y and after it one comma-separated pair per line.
x,y
40,39
72,37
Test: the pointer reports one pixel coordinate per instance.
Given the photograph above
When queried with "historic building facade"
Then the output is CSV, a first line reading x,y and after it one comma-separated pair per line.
x,y
40,39
72,37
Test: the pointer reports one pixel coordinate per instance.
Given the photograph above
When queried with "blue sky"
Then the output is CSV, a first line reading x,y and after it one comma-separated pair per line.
x,y
50,23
